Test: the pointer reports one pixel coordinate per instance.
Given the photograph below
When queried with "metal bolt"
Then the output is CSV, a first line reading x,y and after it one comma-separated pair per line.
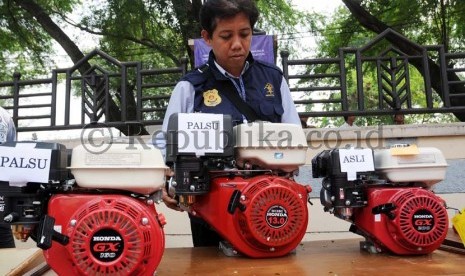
x,y
73,222
272,249
150,202
333,198
145,221
347,202
192,188
242,197
174,183
300,196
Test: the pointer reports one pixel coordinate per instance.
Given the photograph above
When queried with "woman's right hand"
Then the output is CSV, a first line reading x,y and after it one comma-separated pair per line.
x,y
170,202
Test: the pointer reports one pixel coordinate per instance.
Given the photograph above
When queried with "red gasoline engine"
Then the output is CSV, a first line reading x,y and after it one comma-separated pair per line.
x,y
385,195
246,190
99,220
264,216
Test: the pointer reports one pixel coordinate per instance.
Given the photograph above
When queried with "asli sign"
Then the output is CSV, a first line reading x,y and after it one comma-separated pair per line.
x,y
24,163
354,160
261,48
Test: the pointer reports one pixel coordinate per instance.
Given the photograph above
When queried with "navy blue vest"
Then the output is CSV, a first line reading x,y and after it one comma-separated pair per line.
x,y
262,82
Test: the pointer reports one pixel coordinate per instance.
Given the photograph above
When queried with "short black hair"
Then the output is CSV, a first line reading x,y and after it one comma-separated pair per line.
x,y
213,9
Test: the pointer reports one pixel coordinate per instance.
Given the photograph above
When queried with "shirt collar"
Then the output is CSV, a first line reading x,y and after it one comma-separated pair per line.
x,y
227,74
221,71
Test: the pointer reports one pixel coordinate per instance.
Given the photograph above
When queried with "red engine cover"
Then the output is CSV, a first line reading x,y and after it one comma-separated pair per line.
x,y
108,235
419,223
273,222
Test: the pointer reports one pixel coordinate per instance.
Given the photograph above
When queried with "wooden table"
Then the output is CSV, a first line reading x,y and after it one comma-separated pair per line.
x,y
330,257
338,257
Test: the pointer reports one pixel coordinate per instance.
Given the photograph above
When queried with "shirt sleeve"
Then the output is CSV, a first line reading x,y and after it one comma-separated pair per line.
x,y
290,115
181,101
8,127
11,135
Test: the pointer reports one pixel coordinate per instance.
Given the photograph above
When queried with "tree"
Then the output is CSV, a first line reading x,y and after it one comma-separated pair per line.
x,y
23,41
426,22
155,31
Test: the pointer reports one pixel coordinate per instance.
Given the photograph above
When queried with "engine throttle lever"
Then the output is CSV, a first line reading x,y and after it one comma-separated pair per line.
x,y
46,233
234,202
385,209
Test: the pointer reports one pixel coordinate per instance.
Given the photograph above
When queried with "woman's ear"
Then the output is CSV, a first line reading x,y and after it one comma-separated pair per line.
x,y
206,36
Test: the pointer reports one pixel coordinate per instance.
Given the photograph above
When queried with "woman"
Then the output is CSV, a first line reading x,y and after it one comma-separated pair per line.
x,y
228,27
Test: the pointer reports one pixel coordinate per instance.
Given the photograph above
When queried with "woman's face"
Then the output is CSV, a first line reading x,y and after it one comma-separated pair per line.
x,y
230,42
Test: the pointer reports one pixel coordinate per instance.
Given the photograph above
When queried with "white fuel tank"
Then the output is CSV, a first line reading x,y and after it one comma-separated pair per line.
x,y
131,167
275,146
425,165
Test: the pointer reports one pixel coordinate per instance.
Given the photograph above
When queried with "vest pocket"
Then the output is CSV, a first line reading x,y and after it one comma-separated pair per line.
x,y
271,109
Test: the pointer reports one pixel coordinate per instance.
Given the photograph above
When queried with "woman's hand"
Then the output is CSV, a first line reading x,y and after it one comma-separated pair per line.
x,y
170,202
167,199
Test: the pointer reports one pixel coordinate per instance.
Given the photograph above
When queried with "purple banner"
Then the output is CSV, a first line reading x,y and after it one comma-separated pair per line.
x,y
261,48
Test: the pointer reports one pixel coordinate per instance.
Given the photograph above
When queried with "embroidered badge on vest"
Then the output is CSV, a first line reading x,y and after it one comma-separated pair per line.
x,y
269,90
211,98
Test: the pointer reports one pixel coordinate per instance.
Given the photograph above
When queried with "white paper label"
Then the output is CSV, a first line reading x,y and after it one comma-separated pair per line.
x,y
355,160
200,133
114,159
23,163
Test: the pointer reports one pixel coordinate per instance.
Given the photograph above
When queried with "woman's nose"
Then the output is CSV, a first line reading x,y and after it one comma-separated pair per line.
x,y
236,43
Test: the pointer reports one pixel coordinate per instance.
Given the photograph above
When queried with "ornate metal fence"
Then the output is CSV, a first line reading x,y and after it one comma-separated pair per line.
x,y
340,86
97,89
101,89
